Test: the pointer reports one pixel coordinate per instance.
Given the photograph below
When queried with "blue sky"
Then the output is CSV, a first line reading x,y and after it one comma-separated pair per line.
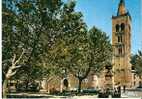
x,y
99,12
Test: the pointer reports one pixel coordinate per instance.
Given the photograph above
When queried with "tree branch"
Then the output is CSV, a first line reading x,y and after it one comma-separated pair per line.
x,y
13,60
19,57
10,73
12,67
12,70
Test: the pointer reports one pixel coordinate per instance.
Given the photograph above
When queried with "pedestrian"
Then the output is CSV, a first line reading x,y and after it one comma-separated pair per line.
x,y
124,88
119,91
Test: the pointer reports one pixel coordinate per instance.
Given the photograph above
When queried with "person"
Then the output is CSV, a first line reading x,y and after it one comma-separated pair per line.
x,y
115,89
119,91
124,88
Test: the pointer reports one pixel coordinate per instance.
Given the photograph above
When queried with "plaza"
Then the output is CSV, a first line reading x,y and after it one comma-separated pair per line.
x,y
128,94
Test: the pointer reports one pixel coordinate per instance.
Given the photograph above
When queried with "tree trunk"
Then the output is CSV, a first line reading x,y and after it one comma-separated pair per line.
x,y
5,88
61,86
27,83
79,85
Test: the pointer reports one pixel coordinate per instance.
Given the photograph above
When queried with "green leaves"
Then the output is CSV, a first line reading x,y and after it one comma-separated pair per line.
x,y
100,47
69,7
136,61
55,38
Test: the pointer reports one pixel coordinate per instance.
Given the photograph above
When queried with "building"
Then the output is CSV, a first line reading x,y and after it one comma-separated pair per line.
x,y
121,42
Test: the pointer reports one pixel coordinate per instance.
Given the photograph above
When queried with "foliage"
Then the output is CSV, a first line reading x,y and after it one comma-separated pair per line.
x,y
25,22
78,50
101,49
55,38
136,61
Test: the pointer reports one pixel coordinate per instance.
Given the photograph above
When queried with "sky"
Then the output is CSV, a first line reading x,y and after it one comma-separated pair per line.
x,y
99,13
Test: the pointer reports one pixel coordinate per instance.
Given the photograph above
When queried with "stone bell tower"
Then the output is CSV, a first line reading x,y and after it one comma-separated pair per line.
x,y
121,42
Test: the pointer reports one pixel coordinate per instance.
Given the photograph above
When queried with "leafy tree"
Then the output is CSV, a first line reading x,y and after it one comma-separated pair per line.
x,y
24,22
77,50
73,32
101,49
136,61
98,55
11,46
12,70
54,38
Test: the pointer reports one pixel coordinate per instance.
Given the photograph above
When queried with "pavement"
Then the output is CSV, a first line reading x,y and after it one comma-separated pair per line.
x,y
132,94
44,95
127,94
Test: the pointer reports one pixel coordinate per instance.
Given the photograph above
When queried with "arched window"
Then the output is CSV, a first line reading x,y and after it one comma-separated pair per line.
x,y
122,27
117,28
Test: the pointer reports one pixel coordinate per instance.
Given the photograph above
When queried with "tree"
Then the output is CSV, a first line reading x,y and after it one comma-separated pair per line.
x,y
77,50
101,49
24,24
98,55
12,70
55,38
136,61
72,37
11,45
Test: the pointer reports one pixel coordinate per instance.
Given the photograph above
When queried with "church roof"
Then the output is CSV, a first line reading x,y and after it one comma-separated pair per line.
x,y
121,8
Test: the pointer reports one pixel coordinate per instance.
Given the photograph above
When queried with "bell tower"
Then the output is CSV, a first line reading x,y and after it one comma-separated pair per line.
x,y
121,42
